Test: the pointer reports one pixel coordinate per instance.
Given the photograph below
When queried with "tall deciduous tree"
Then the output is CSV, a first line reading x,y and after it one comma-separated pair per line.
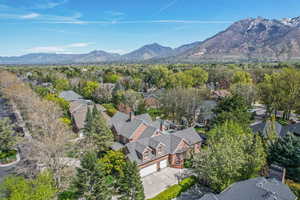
x,y
232,154
182,103
232,108
200,76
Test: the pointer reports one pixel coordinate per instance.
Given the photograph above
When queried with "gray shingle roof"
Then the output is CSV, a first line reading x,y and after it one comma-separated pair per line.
x,y
126,128
170,142
281,131
263,127
190,135
255,189
70,95
294,128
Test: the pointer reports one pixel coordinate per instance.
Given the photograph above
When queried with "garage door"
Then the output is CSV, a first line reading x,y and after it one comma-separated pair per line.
x,y
163,164
148,170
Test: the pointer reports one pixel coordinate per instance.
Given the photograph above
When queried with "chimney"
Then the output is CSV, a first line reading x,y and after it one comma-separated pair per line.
x,y
131,116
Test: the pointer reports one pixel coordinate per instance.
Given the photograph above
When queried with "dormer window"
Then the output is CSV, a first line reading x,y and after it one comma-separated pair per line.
x,y
159,150
146,154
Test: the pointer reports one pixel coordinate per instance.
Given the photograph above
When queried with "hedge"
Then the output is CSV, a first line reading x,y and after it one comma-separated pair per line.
x,y
110,109
295,187
175,190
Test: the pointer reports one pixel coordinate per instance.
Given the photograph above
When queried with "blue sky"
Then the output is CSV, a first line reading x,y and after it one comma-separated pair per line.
x,y
80,26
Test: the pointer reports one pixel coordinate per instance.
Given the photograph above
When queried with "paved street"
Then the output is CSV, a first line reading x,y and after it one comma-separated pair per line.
x,y
4,171
159,181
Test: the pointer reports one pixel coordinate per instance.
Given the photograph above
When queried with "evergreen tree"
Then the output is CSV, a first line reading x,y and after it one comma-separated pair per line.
x,y
100,134
7,139
88,121
286,153
131,187
90,182
99,137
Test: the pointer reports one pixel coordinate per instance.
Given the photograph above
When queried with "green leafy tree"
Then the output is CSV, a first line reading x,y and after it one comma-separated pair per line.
x,y
232,154
63,104
232,108
90,181
157,76
242,77
281,91
180,80
19,188
89,88
247,91
7,138
111,77
200,76
61,84
286,153
131,186
114,163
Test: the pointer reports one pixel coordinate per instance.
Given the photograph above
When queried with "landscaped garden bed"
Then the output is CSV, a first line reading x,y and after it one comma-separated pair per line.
x,y
8,157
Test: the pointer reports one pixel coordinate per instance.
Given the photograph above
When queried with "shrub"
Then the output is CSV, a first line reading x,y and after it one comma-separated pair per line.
x,y
7,157
175,190
110,109
295,187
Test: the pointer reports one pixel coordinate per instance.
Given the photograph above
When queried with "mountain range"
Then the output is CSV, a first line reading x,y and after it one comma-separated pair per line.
x,y
252,39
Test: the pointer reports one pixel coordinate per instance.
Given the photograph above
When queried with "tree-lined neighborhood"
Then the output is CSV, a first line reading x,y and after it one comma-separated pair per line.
x,y
150,132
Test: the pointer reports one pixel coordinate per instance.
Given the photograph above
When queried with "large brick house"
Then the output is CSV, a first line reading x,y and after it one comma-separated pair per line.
x,y
150,144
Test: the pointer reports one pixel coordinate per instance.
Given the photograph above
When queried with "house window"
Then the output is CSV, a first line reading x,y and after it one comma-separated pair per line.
x,y
146,155
178,159
160,150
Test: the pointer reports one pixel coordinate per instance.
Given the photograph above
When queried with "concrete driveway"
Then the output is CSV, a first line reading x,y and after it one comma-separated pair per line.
x,y
159,181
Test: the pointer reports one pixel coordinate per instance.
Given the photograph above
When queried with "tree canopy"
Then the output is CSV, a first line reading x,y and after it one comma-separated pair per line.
x,y
232,154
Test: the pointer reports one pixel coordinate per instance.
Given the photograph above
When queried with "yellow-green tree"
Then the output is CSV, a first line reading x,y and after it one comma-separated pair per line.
x,y
232,154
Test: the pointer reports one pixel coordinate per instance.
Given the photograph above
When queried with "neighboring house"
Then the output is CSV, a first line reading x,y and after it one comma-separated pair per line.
x,y
78,110
263,127
254,189
151,98
70,96
150,145
205,112
219,94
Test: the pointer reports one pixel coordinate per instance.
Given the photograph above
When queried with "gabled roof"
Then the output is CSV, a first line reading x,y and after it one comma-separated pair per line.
x,y
281,131
126,127
190,135
70,95
294,128
263,127
255,189
170,142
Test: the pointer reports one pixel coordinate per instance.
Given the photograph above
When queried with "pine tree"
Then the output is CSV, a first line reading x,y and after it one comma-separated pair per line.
x,y
131,187
286,153
99,133
88,121
7,139
90,182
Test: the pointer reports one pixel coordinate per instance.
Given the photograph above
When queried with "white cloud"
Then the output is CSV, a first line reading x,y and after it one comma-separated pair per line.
x,y
79,44
57,49
30,16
